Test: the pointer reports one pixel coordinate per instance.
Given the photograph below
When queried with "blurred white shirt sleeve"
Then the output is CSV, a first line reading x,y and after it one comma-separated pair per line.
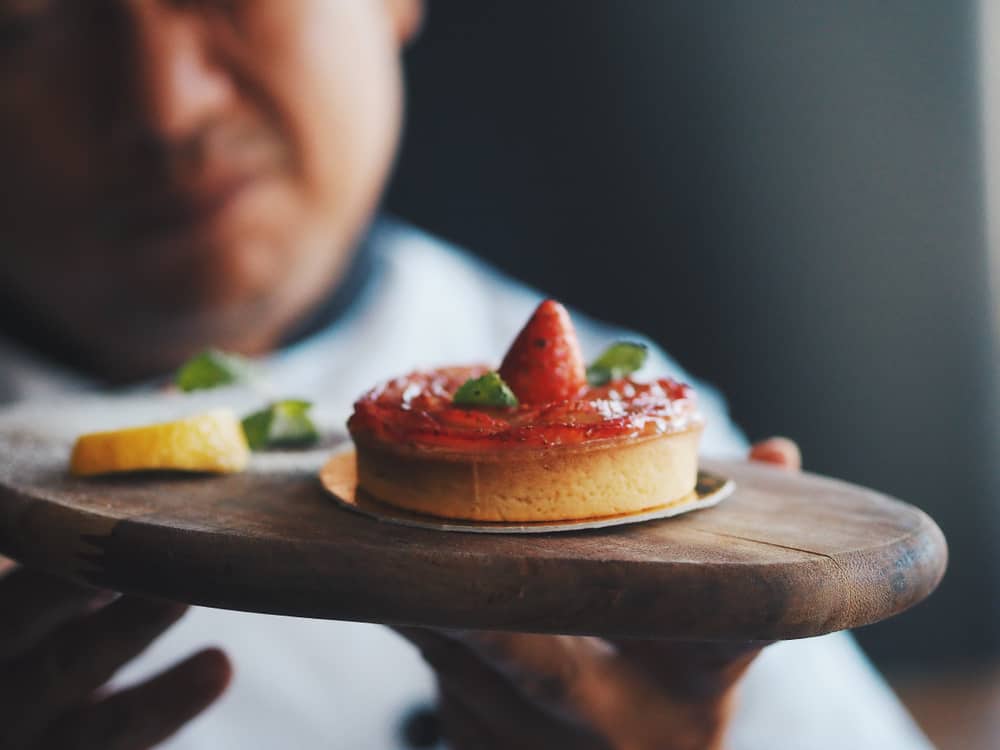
x,y
820,694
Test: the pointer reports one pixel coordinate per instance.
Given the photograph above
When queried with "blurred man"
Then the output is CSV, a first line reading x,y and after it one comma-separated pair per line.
x,y
179,174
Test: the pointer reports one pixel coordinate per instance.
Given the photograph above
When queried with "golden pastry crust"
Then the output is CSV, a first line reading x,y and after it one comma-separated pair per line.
x,y
559,483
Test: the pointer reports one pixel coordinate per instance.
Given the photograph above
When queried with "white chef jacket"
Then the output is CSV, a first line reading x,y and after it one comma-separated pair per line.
x,y
317,684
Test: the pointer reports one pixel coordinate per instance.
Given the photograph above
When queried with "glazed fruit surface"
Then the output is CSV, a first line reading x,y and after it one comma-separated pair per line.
x,y
416,412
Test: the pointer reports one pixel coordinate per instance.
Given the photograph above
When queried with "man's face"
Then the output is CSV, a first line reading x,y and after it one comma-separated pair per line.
x,y
184,172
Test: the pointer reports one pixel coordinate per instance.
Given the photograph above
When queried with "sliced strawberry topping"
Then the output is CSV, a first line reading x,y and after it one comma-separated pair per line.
x,y
544,364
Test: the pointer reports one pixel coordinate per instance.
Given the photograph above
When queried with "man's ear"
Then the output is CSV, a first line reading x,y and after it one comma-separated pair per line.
x,y
407,17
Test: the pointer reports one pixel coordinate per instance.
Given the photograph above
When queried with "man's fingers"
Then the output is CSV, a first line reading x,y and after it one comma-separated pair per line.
x,y
778,451
548,670
692,671
582,680
464,730
479,702
145,715
65,668
34,604
466,675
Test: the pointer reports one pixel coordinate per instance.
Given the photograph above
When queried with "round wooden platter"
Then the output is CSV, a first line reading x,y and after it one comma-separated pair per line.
x,y
786,556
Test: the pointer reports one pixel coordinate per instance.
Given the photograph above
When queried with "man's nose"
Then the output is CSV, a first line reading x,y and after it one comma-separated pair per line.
x,y
180,85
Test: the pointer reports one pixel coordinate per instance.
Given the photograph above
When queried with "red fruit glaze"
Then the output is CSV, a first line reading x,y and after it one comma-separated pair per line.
x,y
544,364
415,412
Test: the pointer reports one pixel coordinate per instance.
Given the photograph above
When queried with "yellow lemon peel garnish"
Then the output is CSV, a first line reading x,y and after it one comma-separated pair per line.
x,y
210,442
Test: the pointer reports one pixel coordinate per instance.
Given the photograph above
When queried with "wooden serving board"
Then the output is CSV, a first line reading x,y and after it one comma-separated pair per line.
x,y
786,556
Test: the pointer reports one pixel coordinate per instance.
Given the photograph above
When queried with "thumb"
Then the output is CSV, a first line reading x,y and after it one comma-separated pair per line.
x,y
779,451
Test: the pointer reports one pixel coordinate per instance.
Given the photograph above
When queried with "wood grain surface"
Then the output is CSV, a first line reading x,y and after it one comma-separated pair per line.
x,y
786,556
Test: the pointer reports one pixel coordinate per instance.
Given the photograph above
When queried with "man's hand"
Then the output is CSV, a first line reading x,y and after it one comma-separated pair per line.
x,y
504,690
60,643
779,451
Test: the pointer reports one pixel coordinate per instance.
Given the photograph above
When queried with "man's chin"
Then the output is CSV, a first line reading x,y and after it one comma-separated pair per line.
x,y
155,341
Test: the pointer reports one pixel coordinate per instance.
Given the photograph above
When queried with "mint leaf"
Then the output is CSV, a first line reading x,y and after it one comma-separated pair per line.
x,y
488,390
283,424
617,361
213,368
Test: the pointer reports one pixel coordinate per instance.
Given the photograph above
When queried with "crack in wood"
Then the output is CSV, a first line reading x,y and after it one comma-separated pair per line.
x,y
831,558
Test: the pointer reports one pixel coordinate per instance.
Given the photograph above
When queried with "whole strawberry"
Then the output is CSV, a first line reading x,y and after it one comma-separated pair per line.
x,y
544,363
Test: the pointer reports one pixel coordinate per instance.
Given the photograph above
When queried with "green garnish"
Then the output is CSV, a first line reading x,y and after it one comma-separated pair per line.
x,y
488,390
213,368
618,360
283,424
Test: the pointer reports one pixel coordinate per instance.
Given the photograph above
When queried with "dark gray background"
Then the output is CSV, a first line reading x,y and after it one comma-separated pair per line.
x,y
787,195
